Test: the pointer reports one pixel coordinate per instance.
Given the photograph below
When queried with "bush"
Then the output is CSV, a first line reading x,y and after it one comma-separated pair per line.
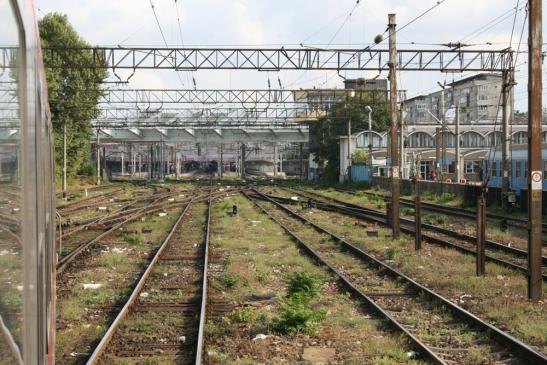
x,y
133,239
302,283
296,316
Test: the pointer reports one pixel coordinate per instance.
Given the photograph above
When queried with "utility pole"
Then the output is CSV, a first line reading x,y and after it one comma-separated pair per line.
x,y
507,84
402,137
534,150
64,161
457,152
221,162
98,159
275,159
301,147
123,163
395,183
349,149
243,157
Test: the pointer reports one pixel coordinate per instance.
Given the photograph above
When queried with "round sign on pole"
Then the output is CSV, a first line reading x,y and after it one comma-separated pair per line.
x,y
536,180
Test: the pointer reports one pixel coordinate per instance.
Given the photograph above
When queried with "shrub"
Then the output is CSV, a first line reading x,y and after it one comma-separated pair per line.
x,y
133,239
229,281
296,316
302,283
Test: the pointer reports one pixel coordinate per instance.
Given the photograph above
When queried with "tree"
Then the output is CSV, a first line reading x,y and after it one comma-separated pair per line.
x,y
360,157
327,130
73,93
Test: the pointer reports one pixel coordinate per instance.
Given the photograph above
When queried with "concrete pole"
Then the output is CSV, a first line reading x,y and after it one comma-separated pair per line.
x,y
506,139
64,162
535,178
221,161
150,160
123,163
402,141
349,150
275,160
370,143
280,159
98,159
395,183
457,152
243,160
301,147
443,134
438,139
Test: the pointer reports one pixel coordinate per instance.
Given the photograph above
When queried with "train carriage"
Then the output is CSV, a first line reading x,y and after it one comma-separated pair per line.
x,y
27,206
519,168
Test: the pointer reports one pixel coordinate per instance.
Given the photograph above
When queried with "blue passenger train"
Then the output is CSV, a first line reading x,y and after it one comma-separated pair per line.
x,y
519,168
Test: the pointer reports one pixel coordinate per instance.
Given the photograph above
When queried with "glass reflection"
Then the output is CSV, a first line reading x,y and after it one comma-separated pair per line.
x,y
11,281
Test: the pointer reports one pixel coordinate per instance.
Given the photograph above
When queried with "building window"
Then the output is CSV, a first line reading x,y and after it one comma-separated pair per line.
x,y
483,87
521,138
472,167
483,107
471,139
495,169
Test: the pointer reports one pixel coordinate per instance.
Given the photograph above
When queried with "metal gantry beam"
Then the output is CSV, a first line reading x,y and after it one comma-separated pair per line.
x,y
272,59
212,96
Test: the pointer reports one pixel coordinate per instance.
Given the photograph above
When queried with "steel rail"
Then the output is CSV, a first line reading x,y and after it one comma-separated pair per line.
x,y
379,217
63,263
203,310
105,340
489,243
505,339
423,350
454,211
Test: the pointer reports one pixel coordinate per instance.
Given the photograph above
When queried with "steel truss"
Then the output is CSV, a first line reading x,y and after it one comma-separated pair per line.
x,y
270,59
270,96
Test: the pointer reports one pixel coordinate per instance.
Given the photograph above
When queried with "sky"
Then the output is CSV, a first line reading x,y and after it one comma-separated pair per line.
x,y
327,23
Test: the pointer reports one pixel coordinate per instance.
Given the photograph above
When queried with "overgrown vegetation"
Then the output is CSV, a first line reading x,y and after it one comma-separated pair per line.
x,y
295,315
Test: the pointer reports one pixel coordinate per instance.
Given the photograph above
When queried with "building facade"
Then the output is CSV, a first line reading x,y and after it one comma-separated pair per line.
x,y
477,97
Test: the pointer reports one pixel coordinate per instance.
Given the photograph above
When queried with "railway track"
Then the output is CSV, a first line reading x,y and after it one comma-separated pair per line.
x,y
452,211
440,331
169,299
497,253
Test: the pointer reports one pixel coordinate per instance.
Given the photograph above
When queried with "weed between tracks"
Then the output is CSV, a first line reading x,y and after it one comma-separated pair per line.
x,y
281,294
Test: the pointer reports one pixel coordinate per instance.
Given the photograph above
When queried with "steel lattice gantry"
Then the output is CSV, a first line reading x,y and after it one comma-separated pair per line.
x,y
266,96
447,60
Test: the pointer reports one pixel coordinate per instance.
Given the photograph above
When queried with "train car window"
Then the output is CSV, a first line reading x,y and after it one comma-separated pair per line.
x,y
11,258
518,169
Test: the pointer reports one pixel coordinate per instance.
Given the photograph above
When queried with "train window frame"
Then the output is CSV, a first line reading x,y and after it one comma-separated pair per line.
x,y
518,169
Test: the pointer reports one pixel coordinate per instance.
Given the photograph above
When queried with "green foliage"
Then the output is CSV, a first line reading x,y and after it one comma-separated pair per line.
x,y
73,93
296,316
327,130
133,239
302,283
408,211
229,281
360,157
